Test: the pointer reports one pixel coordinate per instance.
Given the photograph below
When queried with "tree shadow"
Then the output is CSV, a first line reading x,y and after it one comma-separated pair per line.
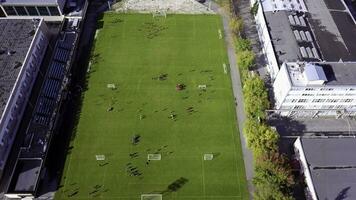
x,y
343,194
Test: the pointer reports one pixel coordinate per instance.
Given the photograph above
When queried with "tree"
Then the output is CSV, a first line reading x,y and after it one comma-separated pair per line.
x,y
236,25
256,98
242,44
273,177
245,59
261,138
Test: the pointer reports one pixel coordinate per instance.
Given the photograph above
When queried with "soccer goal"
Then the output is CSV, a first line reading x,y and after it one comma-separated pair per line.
x,y
154,156
111,86
151,197
208,156
100,157
159,13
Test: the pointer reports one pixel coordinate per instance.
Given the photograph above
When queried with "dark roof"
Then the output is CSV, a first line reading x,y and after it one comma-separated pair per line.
x,y
15,40
332,163
333,28
339,73
26,176
330,25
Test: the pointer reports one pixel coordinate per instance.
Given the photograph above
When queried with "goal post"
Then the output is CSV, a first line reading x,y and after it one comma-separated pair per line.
x,y
151,197
159,13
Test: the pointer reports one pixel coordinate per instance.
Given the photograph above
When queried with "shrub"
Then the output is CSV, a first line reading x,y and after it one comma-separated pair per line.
x,y
242,45
245,60
262,139
236,25
273,177
256,98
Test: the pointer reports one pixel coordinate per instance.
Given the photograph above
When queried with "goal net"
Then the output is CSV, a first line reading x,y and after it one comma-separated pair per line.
x,y
100,157
208,156
151,197
159,13
154,157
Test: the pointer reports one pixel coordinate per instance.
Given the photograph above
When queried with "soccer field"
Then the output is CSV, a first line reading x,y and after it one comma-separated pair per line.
x,y
157,107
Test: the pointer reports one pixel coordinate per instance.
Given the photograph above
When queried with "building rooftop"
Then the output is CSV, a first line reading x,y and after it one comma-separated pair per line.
x,y
314,30
16,36
332,163
323,73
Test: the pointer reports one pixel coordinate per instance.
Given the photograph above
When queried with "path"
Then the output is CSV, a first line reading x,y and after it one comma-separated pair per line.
x,y
237,90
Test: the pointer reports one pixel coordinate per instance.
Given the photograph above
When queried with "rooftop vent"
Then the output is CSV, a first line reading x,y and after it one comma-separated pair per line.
x,y
12,52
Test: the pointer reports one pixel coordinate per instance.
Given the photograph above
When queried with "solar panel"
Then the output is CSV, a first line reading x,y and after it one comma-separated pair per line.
x,y
297,35
291,20
303,52
315,53
309,52
302,21
296,19
302,35
309,37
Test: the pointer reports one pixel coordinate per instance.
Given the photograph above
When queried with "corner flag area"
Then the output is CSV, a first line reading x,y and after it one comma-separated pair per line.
x,y
158,117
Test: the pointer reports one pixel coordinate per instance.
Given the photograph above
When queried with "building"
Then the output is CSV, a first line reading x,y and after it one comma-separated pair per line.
x,y
30,169
316,89
299,34
50,10
328,166
23,43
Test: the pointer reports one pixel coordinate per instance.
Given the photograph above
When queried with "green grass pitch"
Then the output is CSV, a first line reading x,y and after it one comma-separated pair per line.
x,y
146,58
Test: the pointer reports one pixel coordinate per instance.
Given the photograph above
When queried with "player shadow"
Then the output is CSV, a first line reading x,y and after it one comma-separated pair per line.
x,y
174,186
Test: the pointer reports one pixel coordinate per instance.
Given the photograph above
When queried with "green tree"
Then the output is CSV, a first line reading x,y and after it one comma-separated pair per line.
x,y
242,44
245,59
261,138
256,98
273,177
236,25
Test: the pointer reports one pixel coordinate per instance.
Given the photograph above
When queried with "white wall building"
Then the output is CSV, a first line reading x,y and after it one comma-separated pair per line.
x,y
23,43
50,10
316,89
293,33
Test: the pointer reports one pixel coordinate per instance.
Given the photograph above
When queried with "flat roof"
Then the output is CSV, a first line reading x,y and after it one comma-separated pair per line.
x,y
330,28
27,173
16,36
332,163
336,73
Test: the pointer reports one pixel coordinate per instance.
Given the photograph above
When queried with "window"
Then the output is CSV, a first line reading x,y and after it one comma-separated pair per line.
x,y
21,11
10,10
298,107
43,11
318,100
54,11
32,11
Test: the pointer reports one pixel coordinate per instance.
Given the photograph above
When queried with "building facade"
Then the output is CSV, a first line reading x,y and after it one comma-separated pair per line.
x,y
50,10
23,45
297,34
316,89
